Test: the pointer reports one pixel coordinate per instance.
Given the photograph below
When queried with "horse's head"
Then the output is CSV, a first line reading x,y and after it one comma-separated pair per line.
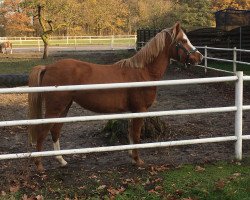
x,y
182,50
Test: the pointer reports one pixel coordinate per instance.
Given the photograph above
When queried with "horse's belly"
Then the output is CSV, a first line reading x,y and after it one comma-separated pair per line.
x,y
102,101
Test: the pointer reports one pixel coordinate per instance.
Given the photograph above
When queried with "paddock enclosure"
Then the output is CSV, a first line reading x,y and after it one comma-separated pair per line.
x,y
180,127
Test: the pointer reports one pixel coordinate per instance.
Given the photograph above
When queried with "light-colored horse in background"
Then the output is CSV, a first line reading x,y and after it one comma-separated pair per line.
x,y
4,46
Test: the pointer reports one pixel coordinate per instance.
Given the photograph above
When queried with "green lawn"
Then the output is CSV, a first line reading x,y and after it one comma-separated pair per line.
x,y
22,63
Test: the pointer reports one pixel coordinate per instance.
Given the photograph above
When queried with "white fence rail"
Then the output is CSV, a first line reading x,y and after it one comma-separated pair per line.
x,y
234,60
112,41
237,108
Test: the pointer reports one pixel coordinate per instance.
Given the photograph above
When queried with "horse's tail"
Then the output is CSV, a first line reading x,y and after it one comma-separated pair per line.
x,y
35,100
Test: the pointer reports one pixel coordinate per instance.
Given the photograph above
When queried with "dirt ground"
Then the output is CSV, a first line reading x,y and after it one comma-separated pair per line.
x,y
89,134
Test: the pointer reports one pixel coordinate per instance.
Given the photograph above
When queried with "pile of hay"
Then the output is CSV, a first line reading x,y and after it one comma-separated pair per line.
x,y
117,130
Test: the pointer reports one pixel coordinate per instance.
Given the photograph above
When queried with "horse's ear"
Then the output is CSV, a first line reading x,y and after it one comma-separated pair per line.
x,y
176,29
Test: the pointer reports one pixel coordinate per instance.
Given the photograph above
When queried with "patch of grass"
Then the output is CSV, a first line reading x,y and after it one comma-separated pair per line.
x,y
220,181
225,181
22,63
137,192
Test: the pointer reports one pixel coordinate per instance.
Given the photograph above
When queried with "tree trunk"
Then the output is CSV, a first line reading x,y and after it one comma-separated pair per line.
x,y
46,32
45,51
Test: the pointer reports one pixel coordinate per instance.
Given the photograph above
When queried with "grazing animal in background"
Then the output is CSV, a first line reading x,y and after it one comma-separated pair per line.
x,y
148,64
4,46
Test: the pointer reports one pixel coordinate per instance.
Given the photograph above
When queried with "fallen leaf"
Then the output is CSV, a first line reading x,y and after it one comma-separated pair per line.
x,y
220,184
39,197
25,197
237,174
114,192
153,171
146,183
179,192
128,180
158,187
14,188
157,180
152,191
82,187
3,193
199,169
234,176
93,177
101,187
161,168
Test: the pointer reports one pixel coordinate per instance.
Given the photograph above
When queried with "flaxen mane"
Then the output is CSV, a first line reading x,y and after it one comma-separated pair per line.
x,y
150,51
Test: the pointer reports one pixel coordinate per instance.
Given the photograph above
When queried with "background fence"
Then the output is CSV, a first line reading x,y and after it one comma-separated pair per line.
x,y
234,59
112,41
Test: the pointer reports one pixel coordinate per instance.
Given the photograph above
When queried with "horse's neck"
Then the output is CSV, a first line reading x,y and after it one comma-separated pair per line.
x,y
158,66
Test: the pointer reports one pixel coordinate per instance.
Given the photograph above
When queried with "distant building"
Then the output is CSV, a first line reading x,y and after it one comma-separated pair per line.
x,y
229,19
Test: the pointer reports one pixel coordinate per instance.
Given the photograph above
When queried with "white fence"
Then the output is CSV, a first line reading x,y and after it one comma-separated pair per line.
x,y
234,60
112,41
237,108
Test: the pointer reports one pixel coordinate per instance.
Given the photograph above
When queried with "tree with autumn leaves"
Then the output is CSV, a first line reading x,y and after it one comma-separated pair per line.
x,y
97,17
14,20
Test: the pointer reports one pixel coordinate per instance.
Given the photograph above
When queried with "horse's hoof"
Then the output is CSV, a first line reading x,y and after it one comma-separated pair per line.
x,y
61,161
40,168
138,162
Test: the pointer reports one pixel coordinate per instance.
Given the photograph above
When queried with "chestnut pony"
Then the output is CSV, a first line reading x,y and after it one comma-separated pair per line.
x,y
5,45
149,64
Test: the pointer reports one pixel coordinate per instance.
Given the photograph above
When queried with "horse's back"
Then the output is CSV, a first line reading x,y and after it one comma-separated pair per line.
x,y
75,72
66,72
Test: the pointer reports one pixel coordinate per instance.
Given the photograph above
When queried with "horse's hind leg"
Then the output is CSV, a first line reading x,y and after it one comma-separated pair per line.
x,y
43,132
134,138
51,111
55,132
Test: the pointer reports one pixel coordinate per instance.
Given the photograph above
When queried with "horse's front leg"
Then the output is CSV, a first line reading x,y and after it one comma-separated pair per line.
x,y
135,126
